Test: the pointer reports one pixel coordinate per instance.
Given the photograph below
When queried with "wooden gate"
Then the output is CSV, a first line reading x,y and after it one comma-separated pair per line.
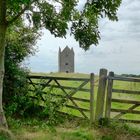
x,y
118,104
70,87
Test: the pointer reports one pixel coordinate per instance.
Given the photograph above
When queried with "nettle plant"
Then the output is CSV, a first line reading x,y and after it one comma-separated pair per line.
x,y
46,104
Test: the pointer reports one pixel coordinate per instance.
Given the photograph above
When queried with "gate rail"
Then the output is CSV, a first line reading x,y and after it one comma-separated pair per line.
x,y
109,99
68,91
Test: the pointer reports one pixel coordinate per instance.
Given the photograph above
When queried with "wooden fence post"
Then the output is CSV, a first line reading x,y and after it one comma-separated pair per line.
x,y
109,95
91,98
101,95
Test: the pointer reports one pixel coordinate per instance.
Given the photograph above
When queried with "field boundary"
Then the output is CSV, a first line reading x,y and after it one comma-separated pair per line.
x,y
68,91
104,99
109,99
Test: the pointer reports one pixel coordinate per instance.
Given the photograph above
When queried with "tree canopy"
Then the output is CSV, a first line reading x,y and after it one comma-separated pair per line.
x,y
55,15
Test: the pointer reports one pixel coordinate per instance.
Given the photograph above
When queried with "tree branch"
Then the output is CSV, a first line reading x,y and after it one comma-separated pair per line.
x,y
2,11
59,2
20,13
17,16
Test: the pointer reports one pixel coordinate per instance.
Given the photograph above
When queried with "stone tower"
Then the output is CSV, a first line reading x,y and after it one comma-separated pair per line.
x,y
66,60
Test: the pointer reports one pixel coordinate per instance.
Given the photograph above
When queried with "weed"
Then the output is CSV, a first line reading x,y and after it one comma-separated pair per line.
x,y
6,134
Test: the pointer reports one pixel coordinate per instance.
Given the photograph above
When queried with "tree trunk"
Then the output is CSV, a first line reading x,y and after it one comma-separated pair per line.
x,y
3,27
3,121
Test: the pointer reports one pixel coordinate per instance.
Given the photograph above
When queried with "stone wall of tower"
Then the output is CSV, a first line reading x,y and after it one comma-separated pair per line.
x,y
66,60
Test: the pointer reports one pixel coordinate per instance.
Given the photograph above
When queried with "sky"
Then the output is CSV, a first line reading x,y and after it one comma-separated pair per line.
x,y
118,49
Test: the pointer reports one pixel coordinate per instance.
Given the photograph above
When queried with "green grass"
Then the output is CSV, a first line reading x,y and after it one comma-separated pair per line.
x,y
6,134
74,129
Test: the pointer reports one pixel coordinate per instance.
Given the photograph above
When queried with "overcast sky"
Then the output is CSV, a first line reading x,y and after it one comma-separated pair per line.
x,y
118,49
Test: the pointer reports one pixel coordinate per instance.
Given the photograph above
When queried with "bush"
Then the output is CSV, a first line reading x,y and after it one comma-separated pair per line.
x,y
25,104
19,45
16,98
15,92
47,106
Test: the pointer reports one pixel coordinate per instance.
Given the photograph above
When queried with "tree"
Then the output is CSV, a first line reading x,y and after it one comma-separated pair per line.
x,y
54,15
19,45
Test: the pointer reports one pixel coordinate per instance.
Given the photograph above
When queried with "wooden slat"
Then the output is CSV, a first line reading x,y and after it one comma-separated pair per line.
x,y
126,91
44,86
68,96
50,93
125,101
121,78
101,95
78,108
72,92
130,121
71,115
91,98
74,98
80,99
31,83
109,96
57,78
125,111
34,97
65,87
122,113
57,95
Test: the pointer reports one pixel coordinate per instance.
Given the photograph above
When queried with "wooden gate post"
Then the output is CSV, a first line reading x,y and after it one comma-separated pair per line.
x,y
109,95
91,98
101,94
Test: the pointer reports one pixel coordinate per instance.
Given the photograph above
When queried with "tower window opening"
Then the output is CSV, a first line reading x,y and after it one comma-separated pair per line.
x,y
66,64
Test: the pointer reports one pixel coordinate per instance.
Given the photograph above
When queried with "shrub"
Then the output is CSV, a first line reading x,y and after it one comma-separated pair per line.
x,y
47,106
19,45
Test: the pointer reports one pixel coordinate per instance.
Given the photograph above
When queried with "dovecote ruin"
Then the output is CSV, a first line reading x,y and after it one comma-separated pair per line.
x,y
66,60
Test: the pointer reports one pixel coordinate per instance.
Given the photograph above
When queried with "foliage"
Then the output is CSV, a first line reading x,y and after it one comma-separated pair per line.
x,y
16,98
55,16
70,130
16,101
19,43
36,105
131,75
45,105
6,134
103,122
78,135
125,128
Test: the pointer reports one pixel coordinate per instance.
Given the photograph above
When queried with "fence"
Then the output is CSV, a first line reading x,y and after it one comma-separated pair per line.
x,y
105,95
126,106
80,84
